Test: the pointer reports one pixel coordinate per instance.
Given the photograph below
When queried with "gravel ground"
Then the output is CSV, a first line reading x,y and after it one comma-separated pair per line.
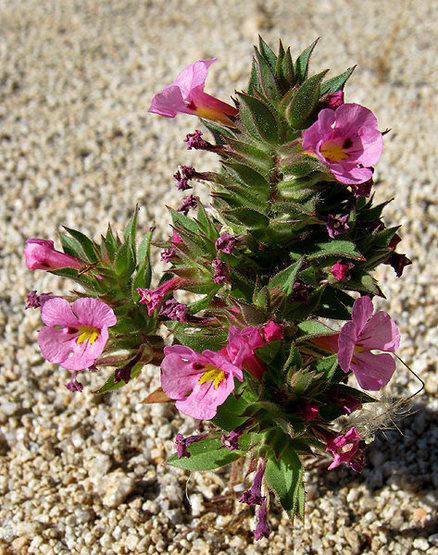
x,y
81,474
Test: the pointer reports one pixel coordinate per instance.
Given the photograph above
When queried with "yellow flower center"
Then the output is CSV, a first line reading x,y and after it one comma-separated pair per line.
x,y
333,152
213,374
345,448
357,349
88,333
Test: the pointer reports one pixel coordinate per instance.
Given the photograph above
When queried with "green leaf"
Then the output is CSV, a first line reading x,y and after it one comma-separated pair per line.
x,y
125,260
144,247
112,243
247,218
327,366
70,246
305,101
312,328
249,178
287,68
203,303
249,154
301,167
268,352
335,247
129,234
364,283
337,83
302,63
111,386
294,361
206,454
300,501
285,477
228,416
258,119
198,339
88,247
266,78
285,279
183,221
252,85
267,54
334,303
217,131
205,224
141,279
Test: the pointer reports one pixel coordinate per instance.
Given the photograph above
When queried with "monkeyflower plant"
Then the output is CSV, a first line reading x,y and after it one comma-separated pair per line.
x,y
281,344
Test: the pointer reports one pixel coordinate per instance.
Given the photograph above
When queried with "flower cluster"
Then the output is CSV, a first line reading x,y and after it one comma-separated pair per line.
x,y
290,238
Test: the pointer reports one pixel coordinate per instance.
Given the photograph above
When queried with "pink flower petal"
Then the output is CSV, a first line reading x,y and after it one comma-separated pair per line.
x,y
352,116
381,332
169,102
192,77
57,312
92,312
351,175
361,313
374,146
346,344
202,403
55,344
373,371
321,128
85,353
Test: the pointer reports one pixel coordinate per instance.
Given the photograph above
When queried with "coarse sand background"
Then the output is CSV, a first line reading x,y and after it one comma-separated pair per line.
x,y
85,474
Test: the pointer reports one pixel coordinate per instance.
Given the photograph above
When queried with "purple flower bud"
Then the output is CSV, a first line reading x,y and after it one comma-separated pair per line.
x,y
220,271
167,254
125,372
300,292
194,140
398,262
37,301
174,310
183,175
262,529
225,242
189,202
337,226
231,440
362,189
182,443
73,385
339,271
153,298
335,100
253,495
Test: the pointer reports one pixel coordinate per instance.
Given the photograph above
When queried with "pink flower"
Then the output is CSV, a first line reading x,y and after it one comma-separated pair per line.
x,y
347,449
240,349
262,528
40,254
335,100
74,336
153,298
272,331
253,495
186,96
359,337
198,382
339,271
347,141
